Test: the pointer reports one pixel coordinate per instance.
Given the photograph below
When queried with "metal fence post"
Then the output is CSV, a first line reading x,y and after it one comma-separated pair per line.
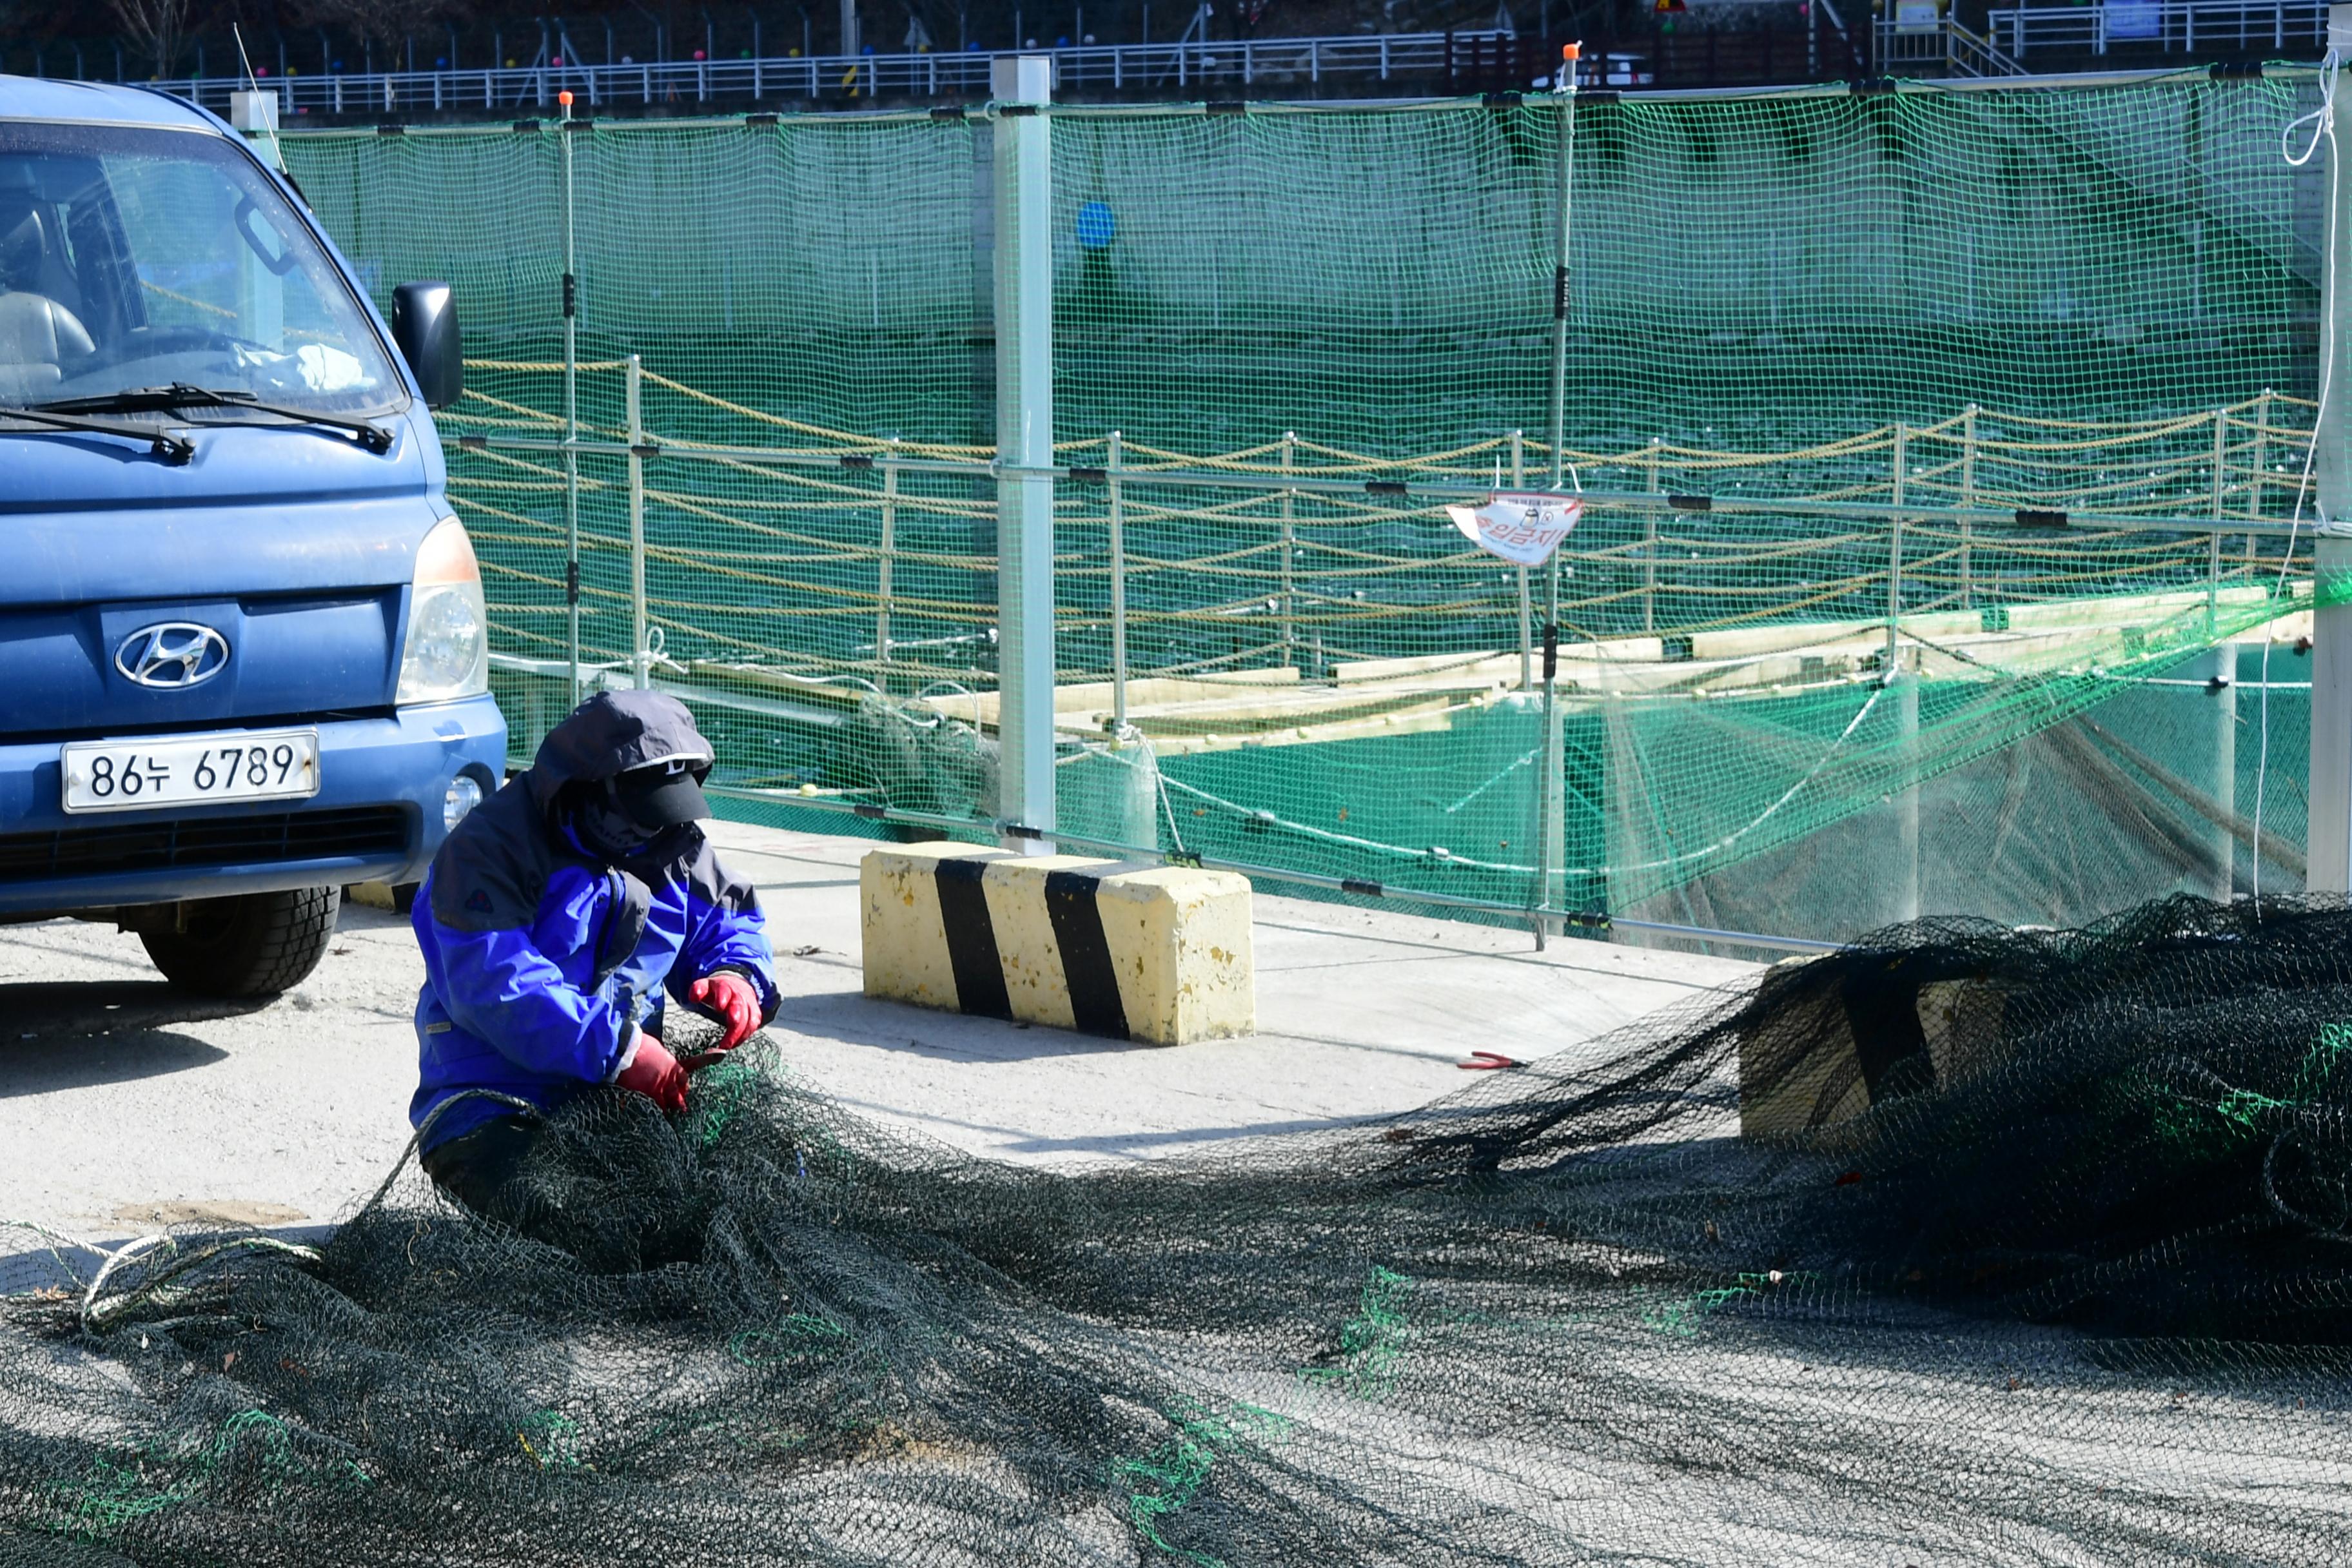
x,y
1551,805
1118,587
2220,458
2255,498
1021,85
640,650
2219,667
1650,546
1527,613
1289,552
890,544
1894,551
570,417
1968,503
2329,844
2213,544
1904,687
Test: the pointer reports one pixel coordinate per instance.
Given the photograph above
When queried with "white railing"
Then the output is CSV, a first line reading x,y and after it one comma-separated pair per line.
x,y
1297,65
1948,45
2187,26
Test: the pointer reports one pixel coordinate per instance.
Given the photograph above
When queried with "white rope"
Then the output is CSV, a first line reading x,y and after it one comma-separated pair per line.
x,y
1444,856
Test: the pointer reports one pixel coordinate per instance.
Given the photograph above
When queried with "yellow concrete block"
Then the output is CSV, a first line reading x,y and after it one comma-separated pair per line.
x,y
1180,939
1159,953
901,930
1804,1076
1034,981
1963,1022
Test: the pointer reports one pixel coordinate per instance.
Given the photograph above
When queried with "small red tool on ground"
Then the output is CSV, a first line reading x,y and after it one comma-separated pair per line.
x,y
1489,1061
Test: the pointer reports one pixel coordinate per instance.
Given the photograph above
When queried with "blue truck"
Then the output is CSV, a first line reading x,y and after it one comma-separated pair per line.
x,y
243,642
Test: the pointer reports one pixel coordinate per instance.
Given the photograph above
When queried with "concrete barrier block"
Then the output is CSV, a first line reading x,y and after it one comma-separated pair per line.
x,y
1180,939
1842,1040
903,928
1805,1074
1158,953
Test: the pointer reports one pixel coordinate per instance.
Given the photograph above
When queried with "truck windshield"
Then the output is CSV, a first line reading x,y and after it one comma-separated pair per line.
x,y
135,258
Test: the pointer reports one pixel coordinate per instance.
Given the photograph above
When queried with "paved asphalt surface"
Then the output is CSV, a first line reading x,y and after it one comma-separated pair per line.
x,y
125,1105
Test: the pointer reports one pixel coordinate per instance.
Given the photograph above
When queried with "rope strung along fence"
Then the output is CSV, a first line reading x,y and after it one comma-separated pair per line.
x,y
1912,429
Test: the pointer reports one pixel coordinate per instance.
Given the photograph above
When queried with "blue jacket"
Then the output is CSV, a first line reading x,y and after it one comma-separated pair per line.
x,y
541,960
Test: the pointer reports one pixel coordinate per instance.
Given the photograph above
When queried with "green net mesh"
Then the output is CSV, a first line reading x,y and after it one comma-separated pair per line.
x,y
1944,383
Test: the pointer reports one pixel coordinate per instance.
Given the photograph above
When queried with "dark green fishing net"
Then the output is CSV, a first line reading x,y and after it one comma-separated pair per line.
x,y
2038,1249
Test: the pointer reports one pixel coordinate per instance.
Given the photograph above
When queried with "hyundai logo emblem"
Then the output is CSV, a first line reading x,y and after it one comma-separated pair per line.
x,y
171,655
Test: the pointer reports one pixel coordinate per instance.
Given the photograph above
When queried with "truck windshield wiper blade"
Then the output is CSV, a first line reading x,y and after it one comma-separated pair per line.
x,y
180,395
170,448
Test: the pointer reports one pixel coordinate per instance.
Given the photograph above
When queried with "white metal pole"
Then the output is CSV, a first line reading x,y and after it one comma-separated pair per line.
x,y
1905,685
1895,554
882,573
570,412
2260,462
2330,827
1289,554
1968,501
1551,803
1021,86
640,650
1565,95
1526,613
1650,541
1117,591
1907,803
2218,666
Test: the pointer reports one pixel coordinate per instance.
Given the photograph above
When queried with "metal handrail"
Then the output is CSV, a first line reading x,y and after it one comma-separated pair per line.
x,y
1947,44
1187,66
2168,25
1976,54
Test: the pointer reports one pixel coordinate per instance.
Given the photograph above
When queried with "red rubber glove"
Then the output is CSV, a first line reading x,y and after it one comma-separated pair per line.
x,y
730,997
655,1073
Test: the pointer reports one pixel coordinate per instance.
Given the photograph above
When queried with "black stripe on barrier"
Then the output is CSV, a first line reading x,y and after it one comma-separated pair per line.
x,y
1087,966
972,938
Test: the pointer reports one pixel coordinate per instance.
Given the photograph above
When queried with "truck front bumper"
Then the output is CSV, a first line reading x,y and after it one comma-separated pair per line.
x,y
377,816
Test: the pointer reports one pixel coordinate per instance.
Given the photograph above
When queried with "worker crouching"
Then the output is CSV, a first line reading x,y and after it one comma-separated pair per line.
x,y
556,922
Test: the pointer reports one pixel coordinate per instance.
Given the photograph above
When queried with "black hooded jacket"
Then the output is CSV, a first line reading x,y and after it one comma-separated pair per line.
x,y
542,958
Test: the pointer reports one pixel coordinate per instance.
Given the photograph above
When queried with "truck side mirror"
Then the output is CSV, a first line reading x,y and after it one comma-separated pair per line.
x,y
424,324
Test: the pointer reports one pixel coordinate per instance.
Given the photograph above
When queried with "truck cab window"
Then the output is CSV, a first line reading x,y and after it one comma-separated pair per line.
x,y
133,259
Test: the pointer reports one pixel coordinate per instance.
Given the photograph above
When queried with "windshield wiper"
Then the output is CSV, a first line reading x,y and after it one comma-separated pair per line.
x,y
180,395
170,448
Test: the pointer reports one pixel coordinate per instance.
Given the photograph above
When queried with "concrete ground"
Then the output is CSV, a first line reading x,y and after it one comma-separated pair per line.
x,y
124,1104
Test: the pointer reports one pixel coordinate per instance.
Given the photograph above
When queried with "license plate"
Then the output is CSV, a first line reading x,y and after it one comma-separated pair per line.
x,y
190,770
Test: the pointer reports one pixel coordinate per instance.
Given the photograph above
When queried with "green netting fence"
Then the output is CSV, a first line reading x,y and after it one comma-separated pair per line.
x,y
1943,452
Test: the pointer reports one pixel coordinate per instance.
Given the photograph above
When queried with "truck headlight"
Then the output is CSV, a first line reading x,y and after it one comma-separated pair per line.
x,y
463,795
447,652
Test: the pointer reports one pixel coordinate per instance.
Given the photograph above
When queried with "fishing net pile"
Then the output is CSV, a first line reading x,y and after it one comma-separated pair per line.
x,y
1966,1245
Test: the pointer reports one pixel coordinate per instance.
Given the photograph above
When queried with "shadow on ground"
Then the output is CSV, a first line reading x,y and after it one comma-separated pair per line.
x,y
75,1034
854,1019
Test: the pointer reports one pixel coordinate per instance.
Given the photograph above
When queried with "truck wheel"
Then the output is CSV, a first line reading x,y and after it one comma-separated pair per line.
x,y
251,945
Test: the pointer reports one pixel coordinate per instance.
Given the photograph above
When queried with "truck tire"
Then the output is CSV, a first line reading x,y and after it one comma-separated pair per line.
x,y
255,944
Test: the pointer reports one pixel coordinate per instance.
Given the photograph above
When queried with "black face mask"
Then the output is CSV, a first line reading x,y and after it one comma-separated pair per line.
x,y
603,829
